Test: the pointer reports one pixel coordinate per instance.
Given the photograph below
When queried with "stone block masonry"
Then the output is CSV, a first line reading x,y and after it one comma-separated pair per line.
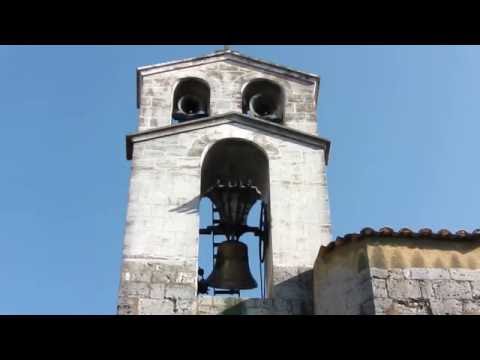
x,y
149,287
227,75
427,291
209,305
152,288
398,275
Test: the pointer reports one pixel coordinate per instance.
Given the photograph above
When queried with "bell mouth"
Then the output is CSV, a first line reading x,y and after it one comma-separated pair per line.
x,y
231,270
189,107
262,105
189,104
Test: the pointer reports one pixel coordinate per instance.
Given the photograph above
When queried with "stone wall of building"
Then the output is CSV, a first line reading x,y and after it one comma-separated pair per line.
x,y
220,305
427,291
395,275
226,76
153,287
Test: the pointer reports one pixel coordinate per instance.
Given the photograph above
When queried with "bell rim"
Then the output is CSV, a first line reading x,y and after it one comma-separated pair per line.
x,y
244,287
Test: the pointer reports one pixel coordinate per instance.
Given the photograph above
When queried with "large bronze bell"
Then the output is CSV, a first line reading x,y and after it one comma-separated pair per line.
x,y
231,270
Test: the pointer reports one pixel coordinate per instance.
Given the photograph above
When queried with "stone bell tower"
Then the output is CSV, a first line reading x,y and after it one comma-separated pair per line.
x,y
237,130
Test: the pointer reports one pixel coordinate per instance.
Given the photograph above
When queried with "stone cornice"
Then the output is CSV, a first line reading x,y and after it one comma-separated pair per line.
x,y
229,118
230,55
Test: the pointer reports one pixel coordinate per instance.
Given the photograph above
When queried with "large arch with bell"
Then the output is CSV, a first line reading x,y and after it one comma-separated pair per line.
x,y
236,160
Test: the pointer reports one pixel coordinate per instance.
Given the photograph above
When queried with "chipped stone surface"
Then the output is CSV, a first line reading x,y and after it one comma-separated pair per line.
x,y
379,273
446,307
382,305
431,291
157,291
471,308
465,274
476,289
403,289
135,289
226,305
426,289
155,307
396,291
398,274
429,274
127,306
180,292
452,289
379,288
405,307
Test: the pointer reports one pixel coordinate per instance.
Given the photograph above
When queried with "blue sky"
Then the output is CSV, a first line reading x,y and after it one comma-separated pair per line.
x,y
403,121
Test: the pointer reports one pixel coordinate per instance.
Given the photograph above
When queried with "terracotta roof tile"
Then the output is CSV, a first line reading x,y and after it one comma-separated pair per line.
x,y
442,234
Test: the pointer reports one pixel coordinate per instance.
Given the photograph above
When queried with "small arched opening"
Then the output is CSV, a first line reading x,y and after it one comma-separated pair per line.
x,y
191,100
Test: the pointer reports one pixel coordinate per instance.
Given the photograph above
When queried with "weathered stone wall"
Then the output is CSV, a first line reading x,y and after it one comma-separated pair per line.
x,y
153,287
219,305
431,291
425,276
163,221
226,79
399,276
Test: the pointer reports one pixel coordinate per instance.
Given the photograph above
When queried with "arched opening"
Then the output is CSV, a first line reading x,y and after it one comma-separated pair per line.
x,y
191,100
264,99
234,220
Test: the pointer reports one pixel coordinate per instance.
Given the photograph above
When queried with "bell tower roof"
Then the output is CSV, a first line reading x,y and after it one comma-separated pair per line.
x,y
227,55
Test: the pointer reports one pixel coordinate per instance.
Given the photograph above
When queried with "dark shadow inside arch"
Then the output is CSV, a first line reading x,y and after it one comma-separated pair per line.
x,y
236,159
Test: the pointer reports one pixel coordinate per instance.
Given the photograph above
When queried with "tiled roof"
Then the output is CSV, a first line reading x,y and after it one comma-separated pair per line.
x,y
402,233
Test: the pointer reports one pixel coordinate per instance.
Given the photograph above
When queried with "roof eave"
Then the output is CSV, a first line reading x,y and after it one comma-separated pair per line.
x,y
228,53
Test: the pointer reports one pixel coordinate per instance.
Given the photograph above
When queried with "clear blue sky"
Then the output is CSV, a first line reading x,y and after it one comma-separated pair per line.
x,y
404,123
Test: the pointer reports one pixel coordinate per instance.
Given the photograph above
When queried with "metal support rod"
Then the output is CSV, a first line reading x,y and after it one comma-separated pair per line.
x,y
261,280
213,243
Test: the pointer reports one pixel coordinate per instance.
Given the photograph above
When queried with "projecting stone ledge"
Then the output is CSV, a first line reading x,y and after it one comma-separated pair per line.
x,y
389,273
229,118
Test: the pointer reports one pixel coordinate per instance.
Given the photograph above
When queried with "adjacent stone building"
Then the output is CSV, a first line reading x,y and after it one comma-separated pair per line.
x,y
405,272
209,123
